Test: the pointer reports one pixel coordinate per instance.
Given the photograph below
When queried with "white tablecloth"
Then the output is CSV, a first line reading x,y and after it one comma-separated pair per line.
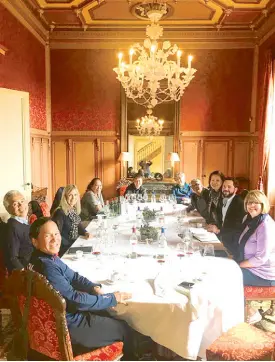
x,y
186,324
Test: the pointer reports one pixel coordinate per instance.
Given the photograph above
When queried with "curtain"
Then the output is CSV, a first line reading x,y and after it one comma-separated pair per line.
x,y
267,118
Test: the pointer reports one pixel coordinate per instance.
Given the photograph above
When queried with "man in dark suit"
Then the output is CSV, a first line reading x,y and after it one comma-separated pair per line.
x,y
232,215
136,186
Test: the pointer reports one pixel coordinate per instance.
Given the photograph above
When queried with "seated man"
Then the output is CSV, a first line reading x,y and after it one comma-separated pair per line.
x,y
233,213
197,202
182,191
136,186
17,246
90,326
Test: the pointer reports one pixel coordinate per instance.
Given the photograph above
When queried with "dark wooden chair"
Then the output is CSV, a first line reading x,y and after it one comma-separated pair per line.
x,y
47,326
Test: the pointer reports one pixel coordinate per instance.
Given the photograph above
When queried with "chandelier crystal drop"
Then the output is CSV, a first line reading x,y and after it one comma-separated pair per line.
x,y
151,77
149,125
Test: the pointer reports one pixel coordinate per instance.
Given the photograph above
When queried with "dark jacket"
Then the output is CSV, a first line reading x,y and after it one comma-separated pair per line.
x,y
17,247
198,203
64,225
214,214
76,289
232,224
131,189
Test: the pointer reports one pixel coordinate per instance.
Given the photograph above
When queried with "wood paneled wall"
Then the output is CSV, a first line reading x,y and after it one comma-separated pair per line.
x,y
233,155
77,160
41,161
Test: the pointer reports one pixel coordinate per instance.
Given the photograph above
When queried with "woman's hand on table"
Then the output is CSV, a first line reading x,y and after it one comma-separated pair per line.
x,y
121,297
87,236
213,229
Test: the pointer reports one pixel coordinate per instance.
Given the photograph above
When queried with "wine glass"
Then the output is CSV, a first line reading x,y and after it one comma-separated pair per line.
x,y
96,250
209,250
180,250
139,197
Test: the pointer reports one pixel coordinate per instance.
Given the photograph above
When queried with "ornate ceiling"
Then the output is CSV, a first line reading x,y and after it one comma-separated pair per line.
x,y
64,19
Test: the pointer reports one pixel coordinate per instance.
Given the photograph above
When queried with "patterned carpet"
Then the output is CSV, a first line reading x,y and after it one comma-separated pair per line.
x,y
147,351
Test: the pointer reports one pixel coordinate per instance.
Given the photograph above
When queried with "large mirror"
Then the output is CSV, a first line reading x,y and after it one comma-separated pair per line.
x,y
154,148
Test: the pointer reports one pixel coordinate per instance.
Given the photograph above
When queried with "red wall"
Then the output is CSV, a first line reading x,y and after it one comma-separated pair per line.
x,y
23,66
85,92
219,97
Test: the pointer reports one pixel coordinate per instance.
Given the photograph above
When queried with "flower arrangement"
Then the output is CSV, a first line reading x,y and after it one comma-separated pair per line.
x,y
122,182
148,215
148,232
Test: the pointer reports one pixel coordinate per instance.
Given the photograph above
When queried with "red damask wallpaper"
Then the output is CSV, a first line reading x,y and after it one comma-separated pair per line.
x,y
23,66
219,97
85,92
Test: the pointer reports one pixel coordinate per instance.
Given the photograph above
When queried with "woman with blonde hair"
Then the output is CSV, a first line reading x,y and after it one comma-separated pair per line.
x,y
67,218
256,245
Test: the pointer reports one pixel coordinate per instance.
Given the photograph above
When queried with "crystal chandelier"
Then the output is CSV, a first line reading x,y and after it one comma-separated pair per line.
x,y
149,125
150,77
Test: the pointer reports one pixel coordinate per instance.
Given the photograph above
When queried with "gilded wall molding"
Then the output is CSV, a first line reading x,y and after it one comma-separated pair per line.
x,y
39,132
217,134
3,50
267,29
48,88
84,133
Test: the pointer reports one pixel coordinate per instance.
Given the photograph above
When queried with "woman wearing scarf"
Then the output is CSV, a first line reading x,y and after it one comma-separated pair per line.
x,y
67,218
213,198
256,246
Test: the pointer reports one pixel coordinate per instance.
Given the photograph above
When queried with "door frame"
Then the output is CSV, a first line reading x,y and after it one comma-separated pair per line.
x,y
26,149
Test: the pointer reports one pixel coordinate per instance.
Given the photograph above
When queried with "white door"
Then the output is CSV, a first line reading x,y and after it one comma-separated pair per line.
x,y
15,161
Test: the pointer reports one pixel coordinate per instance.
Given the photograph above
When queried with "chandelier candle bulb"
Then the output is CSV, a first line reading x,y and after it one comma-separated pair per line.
x,y
178,56
120,55
189,61
131,55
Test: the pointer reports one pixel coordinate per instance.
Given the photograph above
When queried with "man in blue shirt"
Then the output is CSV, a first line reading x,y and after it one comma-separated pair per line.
x,y
182,191
89,323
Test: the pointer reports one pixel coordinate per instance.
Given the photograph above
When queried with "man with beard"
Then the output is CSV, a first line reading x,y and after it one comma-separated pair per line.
x,y
232,215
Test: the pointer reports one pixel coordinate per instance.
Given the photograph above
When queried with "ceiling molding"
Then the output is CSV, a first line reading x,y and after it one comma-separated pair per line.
x,y
102,39
267,29
26,18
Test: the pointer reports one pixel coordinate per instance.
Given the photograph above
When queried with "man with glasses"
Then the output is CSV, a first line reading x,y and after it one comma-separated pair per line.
x,y
17,246
197,201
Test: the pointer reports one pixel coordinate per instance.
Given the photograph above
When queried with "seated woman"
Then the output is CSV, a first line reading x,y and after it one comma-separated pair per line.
x,y
256,245
92,201
182,190
56,200
89,323
67,218
213,198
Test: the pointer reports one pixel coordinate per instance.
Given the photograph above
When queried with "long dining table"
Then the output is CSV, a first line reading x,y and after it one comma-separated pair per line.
x,y
184,319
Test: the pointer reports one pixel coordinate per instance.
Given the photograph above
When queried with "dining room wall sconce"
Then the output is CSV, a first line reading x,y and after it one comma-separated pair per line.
x,y
173,157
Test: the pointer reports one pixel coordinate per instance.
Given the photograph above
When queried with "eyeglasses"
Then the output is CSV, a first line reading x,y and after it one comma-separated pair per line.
x,y
254,203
